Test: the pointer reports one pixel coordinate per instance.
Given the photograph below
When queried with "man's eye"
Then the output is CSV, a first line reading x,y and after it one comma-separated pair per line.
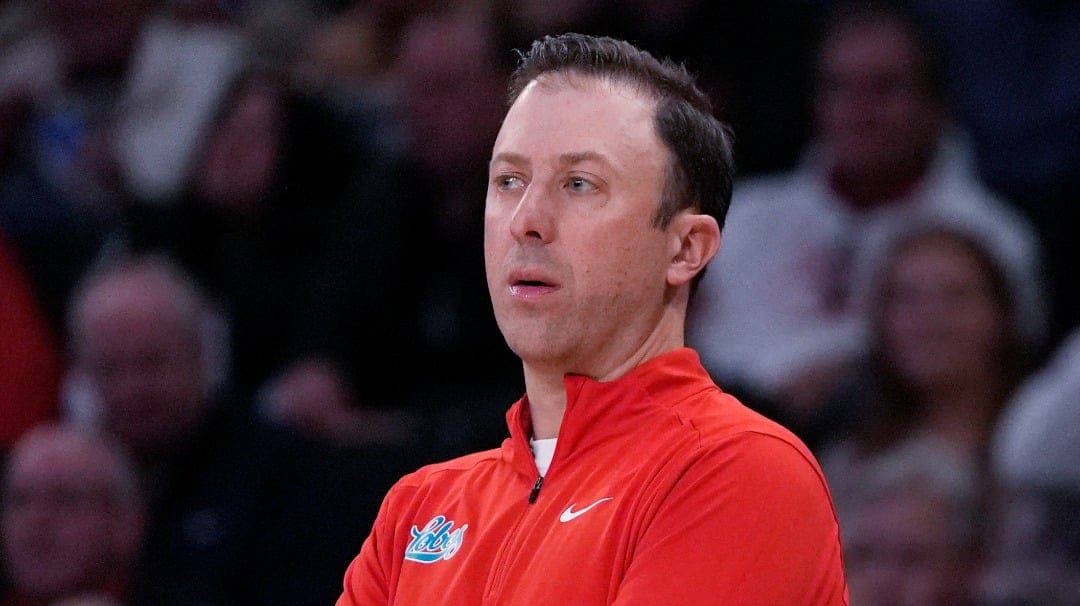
x,y
507,182
580,184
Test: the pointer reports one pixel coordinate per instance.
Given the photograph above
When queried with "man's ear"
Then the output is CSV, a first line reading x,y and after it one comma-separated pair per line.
x,y
695,240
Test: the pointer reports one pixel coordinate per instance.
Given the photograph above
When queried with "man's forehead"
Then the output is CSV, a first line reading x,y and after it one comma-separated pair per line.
x,y
552,103
588,82
570,119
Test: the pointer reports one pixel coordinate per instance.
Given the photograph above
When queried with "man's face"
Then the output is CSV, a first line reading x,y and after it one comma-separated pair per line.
x,y
142,358
63,525
575,267
875,111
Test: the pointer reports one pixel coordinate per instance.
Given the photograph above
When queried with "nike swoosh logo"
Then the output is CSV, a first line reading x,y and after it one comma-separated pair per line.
x,y
570,514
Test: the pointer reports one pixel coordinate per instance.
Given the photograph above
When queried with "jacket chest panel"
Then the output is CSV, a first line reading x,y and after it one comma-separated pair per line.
x,y
503,553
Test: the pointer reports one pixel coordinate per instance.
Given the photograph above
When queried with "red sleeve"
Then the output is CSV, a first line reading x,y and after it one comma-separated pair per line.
x,y
750,523
367,580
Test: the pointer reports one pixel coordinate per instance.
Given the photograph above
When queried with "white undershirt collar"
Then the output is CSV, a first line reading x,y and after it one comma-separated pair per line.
x,y
543,450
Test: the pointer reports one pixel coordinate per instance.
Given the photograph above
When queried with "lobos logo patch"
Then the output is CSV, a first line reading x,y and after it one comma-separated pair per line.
x,y
437,540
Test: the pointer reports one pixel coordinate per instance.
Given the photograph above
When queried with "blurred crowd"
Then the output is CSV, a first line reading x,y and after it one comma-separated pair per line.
x,y
242,285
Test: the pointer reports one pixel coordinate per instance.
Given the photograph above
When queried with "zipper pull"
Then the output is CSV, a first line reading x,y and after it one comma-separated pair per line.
x,y
535,492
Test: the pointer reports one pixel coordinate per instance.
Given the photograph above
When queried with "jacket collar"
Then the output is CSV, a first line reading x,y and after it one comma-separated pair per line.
x,y
598,411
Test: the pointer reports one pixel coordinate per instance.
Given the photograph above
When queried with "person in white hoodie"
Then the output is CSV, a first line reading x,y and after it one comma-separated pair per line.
x,y
779,316
1034,552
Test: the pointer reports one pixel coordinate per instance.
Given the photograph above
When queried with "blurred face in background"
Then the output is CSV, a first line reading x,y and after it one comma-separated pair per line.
x,y
902,551
141,352
452,93
69,523
243,150
876,111
942,320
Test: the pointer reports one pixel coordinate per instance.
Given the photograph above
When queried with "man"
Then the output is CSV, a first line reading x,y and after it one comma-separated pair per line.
x,y
72,519
242,512
780,313
628,477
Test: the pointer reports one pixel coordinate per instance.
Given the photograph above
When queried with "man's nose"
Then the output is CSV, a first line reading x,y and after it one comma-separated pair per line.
x,y
532,218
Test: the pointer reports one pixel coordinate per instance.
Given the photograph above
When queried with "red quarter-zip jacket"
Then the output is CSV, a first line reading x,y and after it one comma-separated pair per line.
x,y
663,490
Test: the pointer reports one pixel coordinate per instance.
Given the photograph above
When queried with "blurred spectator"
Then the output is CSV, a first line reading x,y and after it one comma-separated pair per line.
x,y
947,351
73,518
346,60
241,512
752,57
781,320
1032,555
297,225
910,532
85,48
1015,76
450,83
311,396
1038,437
29,354
105,99
44,222
139,341
450,101
1035,557
183,63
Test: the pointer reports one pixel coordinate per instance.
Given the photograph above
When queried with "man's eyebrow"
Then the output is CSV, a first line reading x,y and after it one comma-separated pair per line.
x,y
572,158
567,159
510,158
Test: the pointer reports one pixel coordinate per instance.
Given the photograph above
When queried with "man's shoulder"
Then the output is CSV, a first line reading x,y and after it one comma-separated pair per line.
x,y
453,470
723,422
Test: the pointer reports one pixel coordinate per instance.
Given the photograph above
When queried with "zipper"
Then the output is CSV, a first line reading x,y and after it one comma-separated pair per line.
x,y
535,492
511,548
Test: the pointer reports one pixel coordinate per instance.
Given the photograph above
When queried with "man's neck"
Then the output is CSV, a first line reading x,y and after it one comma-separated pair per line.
x,y
547,402
545,383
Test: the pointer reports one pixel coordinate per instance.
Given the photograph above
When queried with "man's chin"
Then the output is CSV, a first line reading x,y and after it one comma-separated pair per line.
x,y
536,352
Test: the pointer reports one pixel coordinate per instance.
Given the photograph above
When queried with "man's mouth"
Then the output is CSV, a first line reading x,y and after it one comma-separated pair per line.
x,y
531,287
